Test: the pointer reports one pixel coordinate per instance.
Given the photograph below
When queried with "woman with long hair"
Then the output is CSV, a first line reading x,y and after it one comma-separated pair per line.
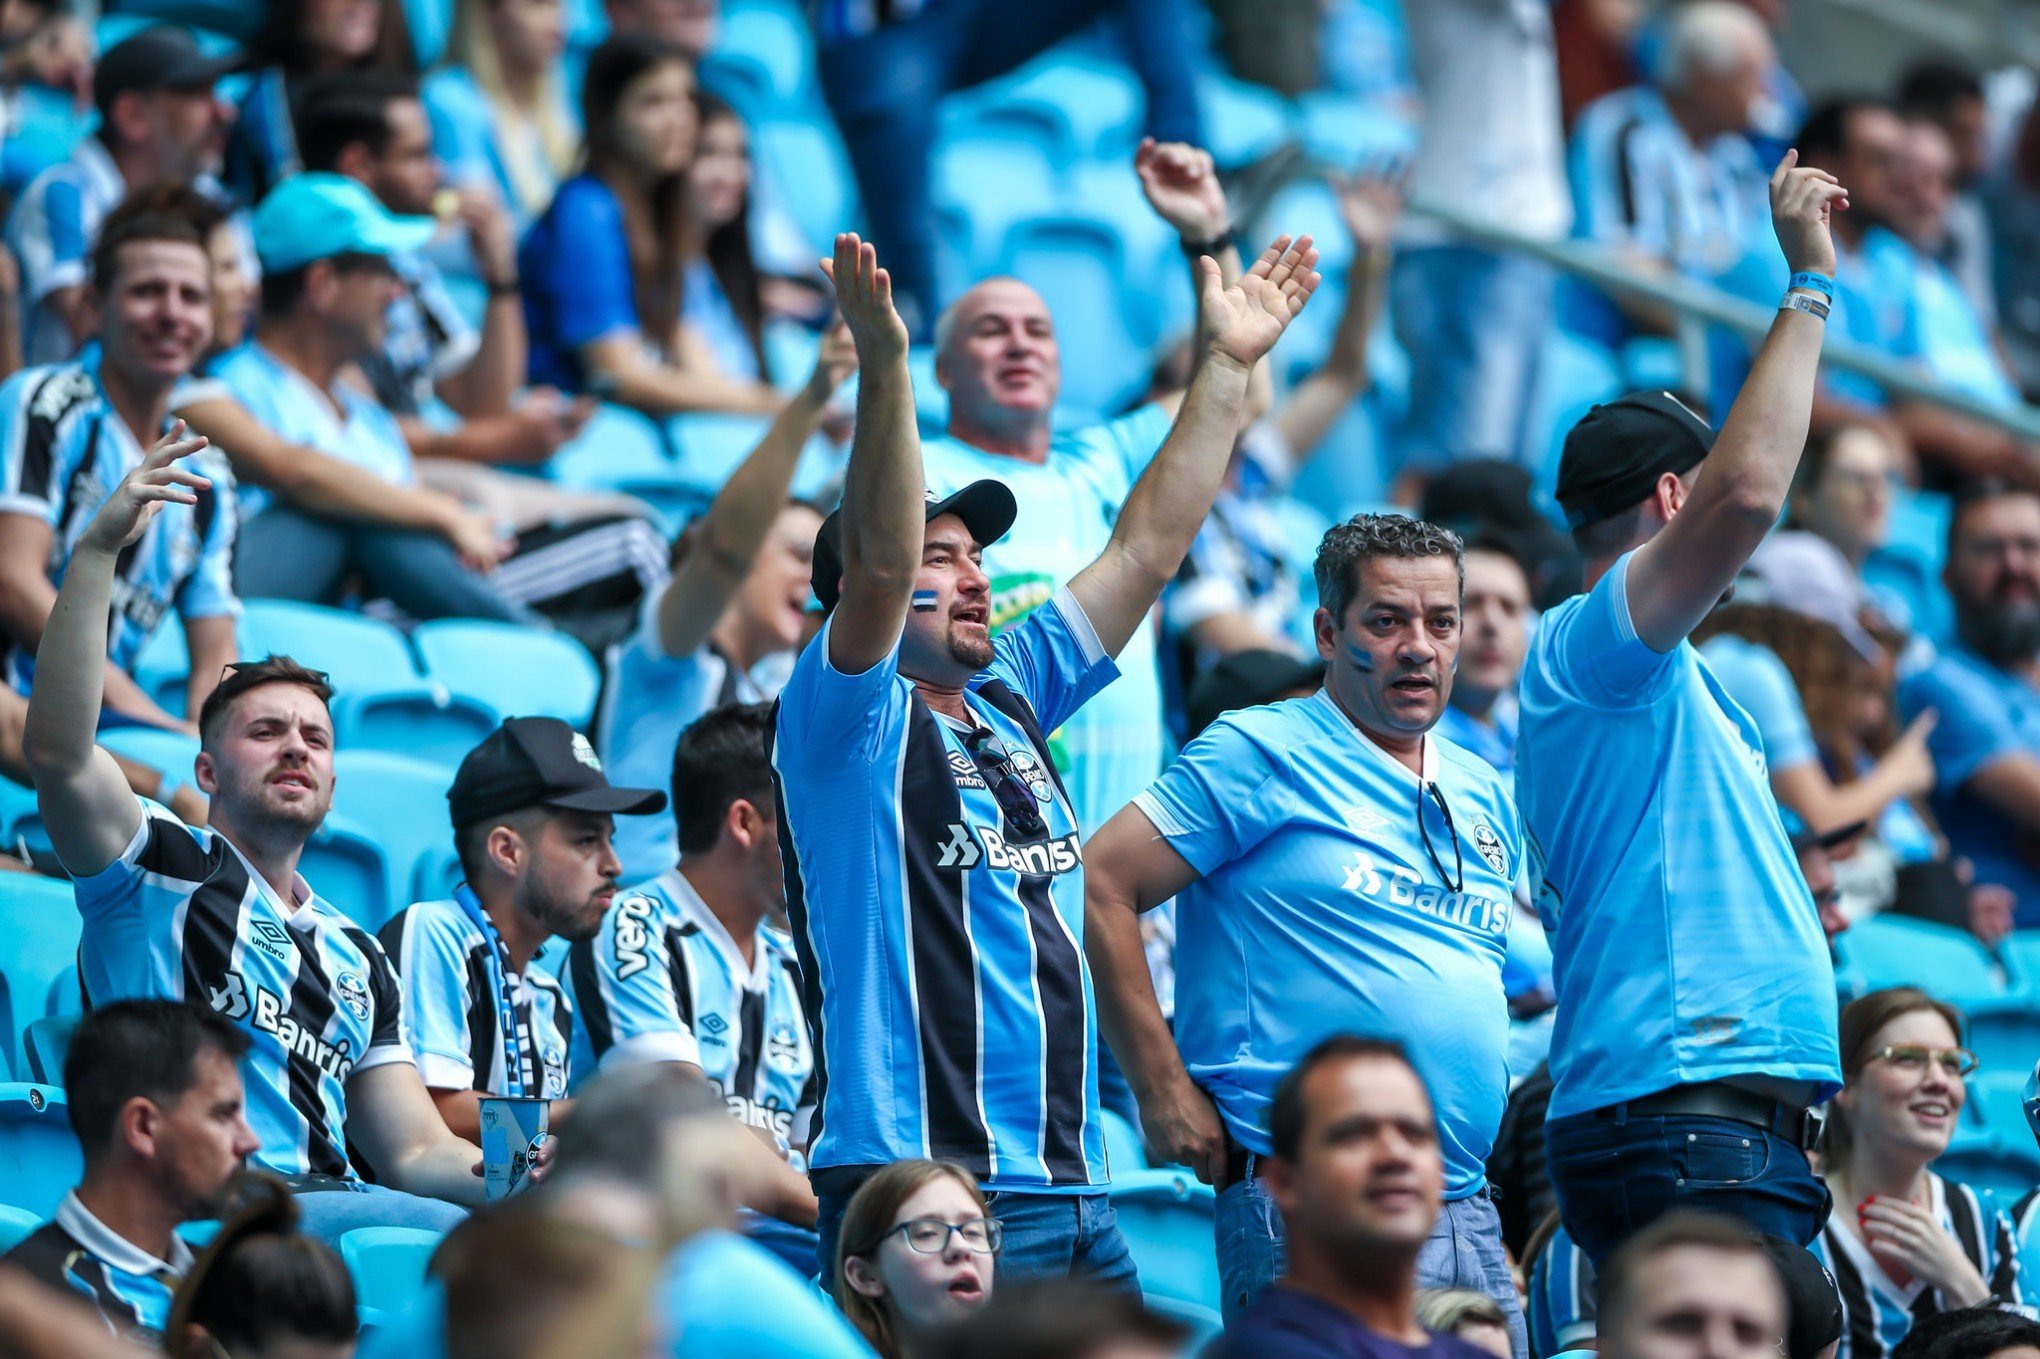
x,y
724,306
300,41
603,268
261,1289
1902,1242
500,111
915,1252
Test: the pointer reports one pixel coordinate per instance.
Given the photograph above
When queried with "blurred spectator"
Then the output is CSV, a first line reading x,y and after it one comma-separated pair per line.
x,y
1983,1332
154,1096
1559,1294
737,601
916,1254
526,1281
501,115
2011,201
604,269
1842,493
1662,172
301,40
1357,1175
1497,501
532,817
10,311
1237,589
1903,1242
1069,1319
236,282
1472,319
42,43
1595,43
1465,1315
1248,679
1692,1284
1281,44
263,1289
41,1323
687,26
885,70
71,432
1817,854
1986,746
1950,98
159,123
723,307
1494,624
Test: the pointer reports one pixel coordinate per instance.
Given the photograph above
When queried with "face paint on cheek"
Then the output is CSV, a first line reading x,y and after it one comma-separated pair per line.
x,y
926,601
1362,662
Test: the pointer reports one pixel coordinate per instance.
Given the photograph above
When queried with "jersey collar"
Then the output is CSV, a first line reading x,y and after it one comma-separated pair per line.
x,y
1338,718
104,1244
301,892
694,910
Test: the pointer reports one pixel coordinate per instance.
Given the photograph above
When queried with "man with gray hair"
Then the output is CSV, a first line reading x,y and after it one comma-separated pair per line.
x,y
1662,172
1366,866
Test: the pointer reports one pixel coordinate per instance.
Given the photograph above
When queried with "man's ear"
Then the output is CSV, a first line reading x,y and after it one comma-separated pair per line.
x,y
208,774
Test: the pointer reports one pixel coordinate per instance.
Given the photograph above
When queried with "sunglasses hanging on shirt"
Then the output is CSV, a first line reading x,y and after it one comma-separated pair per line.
x,y
1016,800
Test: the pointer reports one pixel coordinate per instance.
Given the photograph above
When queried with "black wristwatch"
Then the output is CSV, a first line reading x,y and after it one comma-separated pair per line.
x,y
1223,240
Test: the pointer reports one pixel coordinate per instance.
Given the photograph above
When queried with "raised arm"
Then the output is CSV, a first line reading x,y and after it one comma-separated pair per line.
x,y
86,803
742,512
1680,575
884,515
1163,511
1370,206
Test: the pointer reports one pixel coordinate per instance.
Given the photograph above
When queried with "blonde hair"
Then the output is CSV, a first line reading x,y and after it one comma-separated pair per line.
x,y
471,45
1445,1310
866,1221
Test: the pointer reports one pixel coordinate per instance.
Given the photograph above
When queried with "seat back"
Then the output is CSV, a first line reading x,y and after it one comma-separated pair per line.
x,y
388,1264
39,934
39,1158
1166,1218
1949,964
1123,1149
363,655
518,671
46,1042
345,863
401,803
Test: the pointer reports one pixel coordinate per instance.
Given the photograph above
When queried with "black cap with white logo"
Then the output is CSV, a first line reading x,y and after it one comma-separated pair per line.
x,y
1618,450
539,762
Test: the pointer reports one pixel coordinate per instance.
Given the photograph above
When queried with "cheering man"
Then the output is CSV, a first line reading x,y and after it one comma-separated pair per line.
x,y
932,864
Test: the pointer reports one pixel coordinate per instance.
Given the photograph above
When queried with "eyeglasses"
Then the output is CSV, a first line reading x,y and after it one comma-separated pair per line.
x,y
1457,879
1913,1058
1016,800
930,1235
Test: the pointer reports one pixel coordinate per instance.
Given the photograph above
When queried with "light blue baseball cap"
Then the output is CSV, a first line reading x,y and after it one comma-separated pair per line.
x,y
316,216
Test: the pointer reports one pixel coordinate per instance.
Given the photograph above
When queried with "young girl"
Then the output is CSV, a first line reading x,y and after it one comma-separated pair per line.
x,y
914,1254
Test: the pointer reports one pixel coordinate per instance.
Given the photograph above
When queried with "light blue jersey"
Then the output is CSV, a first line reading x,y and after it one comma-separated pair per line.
x,y
1562,1312
129,1288
51,230
63,450
941,931
1752,675
1068,503
664,982
1687,946
1320,910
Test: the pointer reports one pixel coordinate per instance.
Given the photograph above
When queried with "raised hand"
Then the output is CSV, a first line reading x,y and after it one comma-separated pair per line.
x,y
1370,204
1181,184
864,297
1242,323
835,361
1803,201
157,482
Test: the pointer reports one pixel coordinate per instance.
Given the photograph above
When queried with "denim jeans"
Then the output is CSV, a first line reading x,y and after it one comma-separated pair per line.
x,y
1474,325
1464,1251
336,1208
885,89
1614,1177
283,553
1051,1235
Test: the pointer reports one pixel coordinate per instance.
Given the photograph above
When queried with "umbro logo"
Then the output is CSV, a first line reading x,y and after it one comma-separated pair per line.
x,y
272,939
966,771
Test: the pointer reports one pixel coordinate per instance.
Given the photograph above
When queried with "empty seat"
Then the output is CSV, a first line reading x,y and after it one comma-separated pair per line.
x,y
1891,950
518,671
1997,1104
39,934
2006,1038
39,1158
1243,121
1166,1217
2021,953
46,1042
173,752
1086,108
401,803
346,864
2007,1168
804,172
388,1265
1124,1152
162,667
764,51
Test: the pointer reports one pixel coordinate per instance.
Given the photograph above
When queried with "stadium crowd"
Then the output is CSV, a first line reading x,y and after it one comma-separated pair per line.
x,y
940,879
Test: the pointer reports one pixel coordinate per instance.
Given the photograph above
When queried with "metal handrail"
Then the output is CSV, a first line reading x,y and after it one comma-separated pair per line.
x,y
1698,305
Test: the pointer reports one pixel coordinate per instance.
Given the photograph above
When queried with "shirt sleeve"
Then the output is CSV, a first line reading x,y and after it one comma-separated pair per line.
x,y
1756,679
52,240
433,966
1054,658
32,407
1974,729
627,969
162,847
388,1039
587,275
1594,647
1221,797
1618,200
822,706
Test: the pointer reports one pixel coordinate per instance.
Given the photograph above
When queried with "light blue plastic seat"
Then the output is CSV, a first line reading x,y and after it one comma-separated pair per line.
x,y
2004,1166
1166,1218
401,802
1124,1152
173,752
1996,1103
65,997
17,808
162,667
985,180
39,1157
2005,1036
1078,266
388,1265
39,933
2020,951
804,171
1087,107
46,1042
16,1226
1242,121
1949,964
346,864
1340,130
766,49
518,671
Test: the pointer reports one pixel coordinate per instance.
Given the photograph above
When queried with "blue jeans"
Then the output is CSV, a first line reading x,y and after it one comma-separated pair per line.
x,y
1615,1176
283,553
1474,325
1052,1235
1464,1251
885,89
332,1211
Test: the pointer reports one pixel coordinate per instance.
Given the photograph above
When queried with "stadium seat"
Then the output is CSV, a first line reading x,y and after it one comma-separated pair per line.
x,y
984,181
163,666
1243,122
46,1042
1997,1104
16,1225
1123,1150
2006,1168
1086,108
804,170
1340,130
2020,951
39,1158
1204,1322
402,802
17,808
1079,266
173,752
1166,1217
345,863
518,671
708,447
388,1265
2005,1037
65,997
1890,950
763,57
216,24
39,933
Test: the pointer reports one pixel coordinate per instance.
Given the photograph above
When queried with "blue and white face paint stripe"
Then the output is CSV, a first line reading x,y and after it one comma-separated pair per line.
x,y
1362,662
926,601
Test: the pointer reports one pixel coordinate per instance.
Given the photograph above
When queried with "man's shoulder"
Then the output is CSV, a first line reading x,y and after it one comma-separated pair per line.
x,y
1965,676
41,1254
48,391
436,919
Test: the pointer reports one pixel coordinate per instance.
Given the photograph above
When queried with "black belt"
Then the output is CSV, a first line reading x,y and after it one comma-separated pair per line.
x,y
1718,1099
1235,1162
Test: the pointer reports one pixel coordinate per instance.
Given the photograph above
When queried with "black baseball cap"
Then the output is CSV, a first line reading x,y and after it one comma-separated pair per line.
x,y
164,57
539,762
987,509
1619,449
1247,679
1813,1305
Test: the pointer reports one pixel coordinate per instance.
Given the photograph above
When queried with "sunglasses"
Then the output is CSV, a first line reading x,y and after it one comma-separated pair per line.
x,y
1016,800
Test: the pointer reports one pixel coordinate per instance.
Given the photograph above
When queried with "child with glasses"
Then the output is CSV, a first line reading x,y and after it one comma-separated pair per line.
x,y
916,1253
1902,1242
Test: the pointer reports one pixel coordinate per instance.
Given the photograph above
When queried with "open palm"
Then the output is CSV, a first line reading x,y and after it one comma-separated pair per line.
x,y
156,482
1242,323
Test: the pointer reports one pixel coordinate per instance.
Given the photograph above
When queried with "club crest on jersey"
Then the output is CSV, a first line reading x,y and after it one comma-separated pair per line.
x,y
585,753
1490,846
555,1064
1033,775
782,1049
353,993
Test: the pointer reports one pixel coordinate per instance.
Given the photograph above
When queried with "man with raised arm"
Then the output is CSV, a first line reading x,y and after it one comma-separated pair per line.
x,y
1696,1010
932,864
220,916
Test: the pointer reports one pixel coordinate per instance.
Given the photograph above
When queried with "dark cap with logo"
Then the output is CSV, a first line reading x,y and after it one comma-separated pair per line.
x,y
986,507
1813,1305
1618,450
160,58
539,762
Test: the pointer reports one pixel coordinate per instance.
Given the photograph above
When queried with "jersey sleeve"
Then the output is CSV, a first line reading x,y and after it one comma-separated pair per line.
x,y
431,963
587,272
1054,658
388,1038
51,239
623,984
32,457
162,847
1974,728
1593,646
825,713
1756,679
1221,797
